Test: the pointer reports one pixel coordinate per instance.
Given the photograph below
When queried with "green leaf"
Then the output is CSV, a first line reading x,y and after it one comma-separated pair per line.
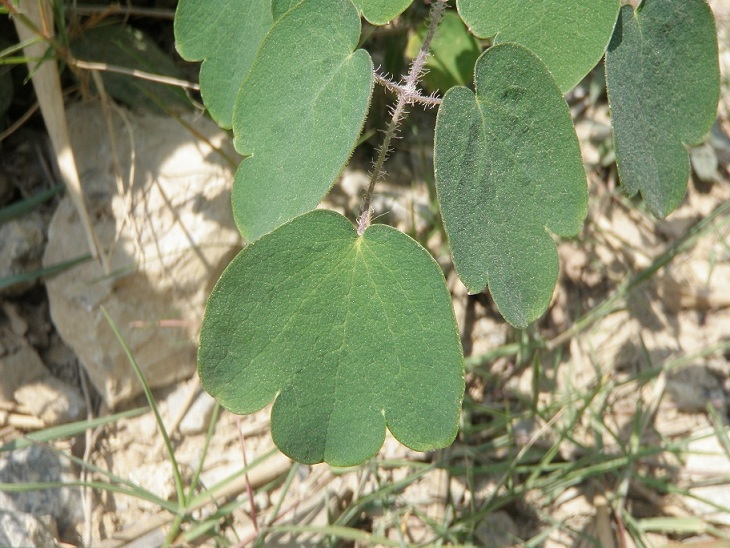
x,y
508,173
569,36
225,35
299,113
453,54
380,12
280,7
663,80
347,333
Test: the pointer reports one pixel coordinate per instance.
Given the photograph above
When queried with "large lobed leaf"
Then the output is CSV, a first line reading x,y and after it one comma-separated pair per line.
x,y
508,173
225,35
569,36
346,333
663,81
379,12
298,113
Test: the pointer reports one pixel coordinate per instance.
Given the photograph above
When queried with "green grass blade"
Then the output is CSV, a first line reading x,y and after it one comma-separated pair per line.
x,y
15,279
337,531
102,486
18,47
153,405
68,430
29,204
206,446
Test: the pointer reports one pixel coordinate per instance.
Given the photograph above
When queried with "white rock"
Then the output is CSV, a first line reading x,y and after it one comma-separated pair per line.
x,y
706,459
168,237
52,400
196,418
20,529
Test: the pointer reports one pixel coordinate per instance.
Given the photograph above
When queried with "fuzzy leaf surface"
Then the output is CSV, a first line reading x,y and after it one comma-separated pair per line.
x,y
299,113
347,334
454,51
508,174
380,12
663,80
570,36
224,35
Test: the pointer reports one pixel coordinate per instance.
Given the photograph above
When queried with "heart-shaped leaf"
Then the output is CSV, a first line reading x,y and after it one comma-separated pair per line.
x,y
226,36
569,36
347,333
379,12
663,80
508,173
299,113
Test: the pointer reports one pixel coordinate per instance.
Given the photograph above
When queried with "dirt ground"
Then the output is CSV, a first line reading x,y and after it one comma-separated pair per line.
x,y
650,368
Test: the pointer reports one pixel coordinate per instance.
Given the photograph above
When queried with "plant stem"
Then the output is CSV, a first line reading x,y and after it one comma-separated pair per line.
x,y
400,89
407,95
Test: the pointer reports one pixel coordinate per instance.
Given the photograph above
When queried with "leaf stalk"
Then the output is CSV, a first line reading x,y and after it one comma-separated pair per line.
x,y
407,95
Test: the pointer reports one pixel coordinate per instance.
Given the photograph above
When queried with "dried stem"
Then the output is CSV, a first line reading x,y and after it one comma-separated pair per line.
x,y
407,95
158,78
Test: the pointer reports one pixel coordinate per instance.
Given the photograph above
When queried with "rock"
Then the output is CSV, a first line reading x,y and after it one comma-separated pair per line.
x,y
18,324
197,418
692,387
707,459
20,365
497,529
40,464
52,400
21,249
430,492
19,529
168,236
196,421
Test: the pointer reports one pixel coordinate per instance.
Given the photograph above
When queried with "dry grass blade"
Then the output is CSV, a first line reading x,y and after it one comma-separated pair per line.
x,y
47,84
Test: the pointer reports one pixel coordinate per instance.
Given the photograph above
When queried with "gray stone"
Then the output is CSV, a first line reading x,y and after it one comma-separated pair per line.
x,y
169,234
39,464
497,529
19,529
692,387
21,249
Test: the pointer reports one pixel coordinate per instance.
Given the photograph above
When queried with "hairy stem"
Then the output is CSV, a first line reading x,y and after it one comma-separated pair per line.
x,y
400,89
407,95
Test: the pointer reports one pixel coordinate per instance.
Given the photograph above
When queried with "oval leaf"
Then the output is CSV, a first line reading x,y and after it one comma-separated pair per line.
x,y
299,113
348,334
569,36
380,12
508,172
225,35
663,80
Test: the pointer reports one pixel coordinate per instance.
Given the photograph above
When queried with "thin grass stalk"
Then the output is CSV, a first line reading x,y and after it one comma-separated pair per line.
x,y
153,405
